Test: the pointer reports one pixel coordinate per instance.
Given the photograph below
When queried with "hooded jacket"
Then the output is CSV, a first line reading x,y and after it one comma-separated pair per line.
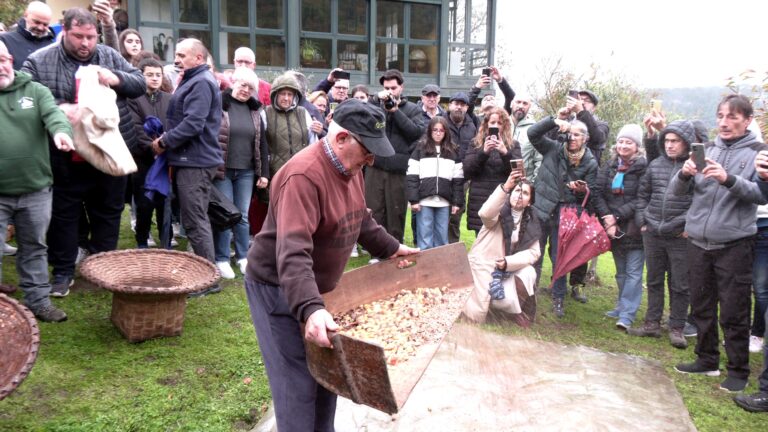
x,y
287,131
556,170
28,114
661,213
260,151
723,213
21,43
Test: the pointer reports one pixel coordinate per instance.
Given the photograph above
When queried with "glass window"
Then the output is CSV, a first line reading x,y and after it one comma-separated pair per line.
x,y
423,59
467,61
389,56
424,20
316,15
270,51
478,31
456,20
353,17
352,55
229,42
234,13
156,10
203,35
193,11
269,14
315,53
161,40
389,21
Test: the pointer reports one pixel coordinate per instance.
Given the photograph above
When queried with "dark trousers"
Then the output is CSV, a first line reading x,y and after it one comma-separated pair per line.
x,y
724,277
578,275
454,222
385,196
301,404
145,207
666,256
102,196
763,379
194,191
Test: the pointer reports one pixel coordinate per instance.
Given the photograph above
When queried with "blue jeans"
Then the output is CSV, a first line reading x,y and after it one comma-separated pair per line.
x,y
432,228
237,185
31,214
629,278
760,281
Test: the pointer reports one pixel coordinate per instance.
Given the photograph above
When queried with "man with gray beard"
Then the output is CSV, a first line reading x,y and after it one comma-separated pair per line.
x,y
462,130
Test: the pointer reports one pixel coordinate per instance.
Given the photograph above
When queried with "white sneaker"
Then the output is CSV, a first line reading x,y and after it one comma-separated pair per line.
x,y
225,269
174,243
9,250
374,261
243,264
354,253
755,344
151,242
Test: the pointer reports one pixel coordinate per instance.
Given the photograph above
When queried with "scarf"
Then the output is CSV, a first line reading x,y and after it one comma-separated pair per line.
x,y
617,186
575,157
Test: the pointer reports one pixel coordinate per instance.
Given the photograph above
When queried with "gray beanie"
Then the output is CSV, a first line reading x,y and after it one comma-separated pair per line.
x,y
633,132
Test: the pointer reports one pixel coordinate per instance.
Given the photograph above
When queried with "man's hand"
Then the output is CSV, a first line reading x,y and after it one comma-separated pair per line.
x,y
761,164
330,77
416,208
689,168
495,74
63,142
563,113
317,328
262,182
108,78
103,12
455,210
156,146
404,250
562,125
574,105
714,170
483,81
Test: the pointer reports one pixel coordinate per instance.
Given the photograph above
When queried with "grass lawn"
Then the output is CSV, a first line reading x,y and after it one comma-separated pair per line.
x,y
211,378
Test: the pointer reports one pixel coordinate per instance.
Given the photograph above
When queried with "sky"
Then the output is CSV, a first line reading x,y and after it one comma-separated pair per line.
x,y
653,43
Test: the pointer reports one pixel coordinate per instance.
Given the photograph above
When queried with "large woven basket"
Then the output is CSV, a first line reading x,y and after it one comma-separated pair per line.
x,y
149,287
19,341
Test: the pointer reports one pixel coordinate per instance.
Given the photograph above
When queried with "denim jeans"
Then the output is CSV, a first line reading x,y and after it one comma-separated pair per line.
x,y
237,185
432,227
760,281
629,278
31,213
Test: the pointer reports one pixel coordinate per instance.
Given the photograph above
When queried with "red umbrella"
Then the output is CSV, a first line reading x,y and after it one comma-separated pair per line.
x,y
580,238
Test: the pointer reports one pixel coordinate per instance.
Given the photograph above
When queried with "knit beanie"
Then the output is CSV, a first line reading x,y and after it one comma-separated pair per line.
x,y
633,132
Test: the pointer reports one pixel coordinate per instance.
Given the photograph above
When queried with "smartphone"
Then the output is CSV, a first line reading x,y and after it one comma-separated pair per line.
x,y
573,93
517,165
341,75
697,154
333,106
487,71
656,105
493,131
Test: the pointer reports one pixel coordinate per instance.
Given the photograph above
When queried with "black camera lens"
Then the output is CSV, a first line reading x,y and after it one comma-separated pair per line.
x,y
389,103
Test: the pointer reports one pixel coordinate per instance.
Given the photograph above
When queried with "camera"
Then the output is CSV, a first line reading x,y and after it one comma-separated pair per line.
x,y
486,71
390,102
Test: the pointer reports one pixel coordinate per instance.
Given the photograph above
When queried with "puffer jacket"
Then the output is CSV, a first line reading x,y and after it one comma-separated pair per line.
x,y
404,127
664,214
621,205
55,69
141,107
260,150
287,131
555,171
486,172
434,175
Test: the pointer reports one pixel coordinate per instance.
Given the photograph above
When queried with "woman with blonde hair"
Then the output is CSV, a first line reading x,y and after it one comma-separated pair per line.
x,y
487,162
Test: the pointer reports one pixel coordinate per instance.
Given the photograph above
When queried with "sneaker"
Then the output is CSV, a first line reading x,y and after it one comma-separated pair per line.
x,y
225,269
60,286
243,264
354,253
677,339
558,308
9,250
81,255
733,385
50,313
212,290
7,289
174,243
690,330
374,261
648,329
623,324
612,314
756,402
694,368
577,293
151,242
755,344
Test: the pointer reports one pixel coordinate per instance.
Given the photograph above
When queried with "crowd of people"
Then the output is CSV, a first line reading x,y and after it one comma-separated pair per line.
x,y
698,223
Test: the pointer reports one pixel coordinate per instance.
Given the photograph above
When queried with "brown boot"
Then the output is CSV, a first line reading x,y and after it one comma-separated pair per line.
x,y
7,289
677,339
649,329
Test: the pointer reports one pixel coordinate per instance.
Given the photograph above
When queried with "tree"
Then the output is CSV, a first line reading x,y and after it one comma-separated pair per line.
x,y
757,84
11,11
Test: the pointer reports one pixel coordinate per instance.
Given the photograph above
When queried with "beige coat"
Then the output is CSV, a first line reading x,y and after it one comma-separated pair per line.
x,y
489,247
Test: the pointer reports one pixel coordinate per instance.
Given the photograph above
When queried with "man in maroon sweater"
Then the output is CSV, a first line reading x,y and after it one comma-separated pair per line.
x,y
317,212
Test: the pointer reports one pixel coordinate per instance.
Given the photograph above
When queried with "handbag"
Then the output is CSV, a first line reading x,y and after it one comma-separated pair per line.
x,y
222,212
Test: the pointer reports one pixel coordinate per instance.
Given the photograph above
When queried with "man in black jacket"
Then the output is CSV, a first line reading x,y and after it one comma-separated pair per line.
x,y
385,180
192,145
463,131
77,183
32,33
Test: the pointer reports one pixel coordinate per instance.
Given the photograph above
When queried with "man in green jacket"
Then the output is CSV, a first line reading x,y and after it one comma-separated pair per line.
x,y
28,114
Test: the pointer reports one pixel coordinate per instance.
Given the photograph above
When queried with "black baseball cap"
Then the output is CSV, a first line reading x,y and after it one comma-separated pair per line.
x,y
590,95
461,97
366,121
430,88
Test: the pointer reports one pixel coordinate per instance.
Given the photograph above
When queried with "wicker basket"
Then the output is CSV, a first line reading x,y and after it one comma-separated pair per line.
x,y
149,287
20,338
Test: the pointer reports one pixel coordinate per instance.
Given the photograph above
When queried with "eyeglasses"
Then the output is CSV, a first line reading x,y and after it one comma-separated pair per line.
x,y
340,88
436,130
